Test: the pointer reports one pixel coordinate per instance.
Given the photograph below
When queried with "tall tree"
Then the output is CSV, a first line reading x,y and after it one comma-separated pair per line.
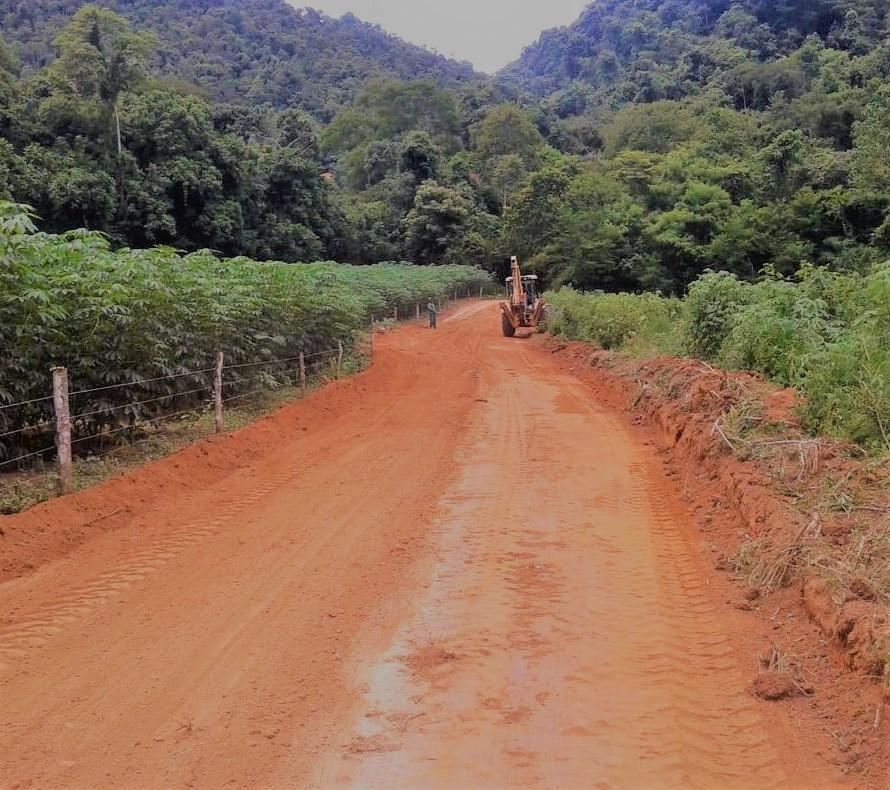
x,y
100,57
871,154
437,222
8,74
507,129
299,133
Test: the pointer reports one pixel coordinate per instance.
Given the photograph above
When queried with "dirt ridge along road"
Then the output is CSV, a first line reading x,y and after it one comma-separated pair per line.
x,y
464,573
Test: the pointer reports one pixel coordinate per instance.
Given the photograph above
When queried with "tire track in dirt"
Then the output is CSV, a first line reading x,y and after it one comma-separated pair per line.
x,y
207,649
35,629
567,637
682,636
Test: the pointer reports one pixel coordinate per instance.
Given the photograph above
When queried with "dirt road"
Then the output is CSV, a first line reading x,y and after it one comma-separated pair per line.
x,y
454,570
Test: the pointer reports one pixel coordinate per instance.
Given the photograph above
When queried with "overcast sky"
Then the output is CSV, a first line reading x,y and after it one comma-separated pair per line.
x,y
488,33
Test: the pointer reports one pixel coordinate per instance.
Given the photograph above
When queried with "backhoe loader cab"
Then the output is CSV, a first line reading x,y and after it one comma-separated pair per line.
x,y
529,287
524,308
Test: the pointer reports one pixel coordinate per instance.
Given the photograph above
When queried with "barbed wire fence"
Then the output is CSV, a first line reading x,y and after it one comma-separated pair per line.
x,y
48,423
208,390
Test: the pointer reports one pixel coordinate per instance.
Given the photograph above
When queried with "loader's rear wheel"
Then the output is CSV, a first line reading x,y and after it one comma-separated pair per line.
x,y
506,327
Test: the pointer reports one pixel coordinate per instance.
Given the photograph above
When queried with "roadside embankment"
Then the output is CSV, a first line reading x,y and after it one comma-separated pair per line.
x,y
785,513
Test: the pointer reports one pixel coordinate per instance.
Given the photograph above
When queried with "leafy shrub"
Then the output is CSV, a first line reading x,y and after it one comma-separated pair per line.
x,y
825,333
847,385
847,389
777,332
709,311
567,307
616,321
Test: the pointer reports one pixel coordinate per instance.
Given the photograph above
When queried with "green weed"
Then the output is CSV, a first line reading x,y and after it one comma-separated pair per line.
x,y
640,324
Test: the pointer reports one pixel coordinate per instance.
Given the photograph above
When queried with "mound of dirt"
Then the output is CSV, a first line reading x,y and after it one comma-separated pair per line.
x,y
773,686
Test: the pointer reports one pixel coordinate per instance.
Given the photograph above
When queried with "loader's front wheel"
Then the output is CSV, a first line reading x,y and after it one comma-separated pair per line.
x,y
546,316
506,327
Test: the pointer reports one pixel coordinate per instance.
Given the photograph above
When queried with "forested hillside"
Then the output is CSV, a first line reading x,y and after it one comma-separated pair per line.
x,y
715,134
644,50
245,51
96,139
93,141
634,150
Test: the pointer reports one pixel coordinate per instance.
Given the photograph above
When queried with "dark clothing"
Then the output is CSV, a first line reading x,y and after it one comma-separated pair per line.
x,y
434,314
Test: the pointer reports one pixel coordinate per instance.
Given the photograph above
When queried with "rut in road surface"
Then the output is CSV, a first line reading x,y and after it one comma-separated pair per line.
x,y
460,573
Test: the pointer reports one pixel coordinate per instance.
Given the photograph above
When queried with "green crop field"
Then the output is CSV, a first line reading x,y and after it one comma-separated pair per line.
x,y
113,317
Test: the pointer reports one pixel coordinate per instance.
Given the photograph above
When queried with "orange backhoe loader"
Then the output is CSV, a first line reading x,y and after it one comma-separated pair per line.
x,y
525,309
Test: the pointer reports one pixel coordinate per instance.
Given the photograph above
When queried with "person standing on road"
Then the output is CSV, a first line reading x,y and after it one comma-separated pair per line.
x,y
434,313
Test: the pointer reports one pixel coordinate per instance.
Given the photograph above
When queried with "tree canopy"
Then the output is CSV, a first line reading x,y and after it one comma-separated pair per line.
x,y
260,52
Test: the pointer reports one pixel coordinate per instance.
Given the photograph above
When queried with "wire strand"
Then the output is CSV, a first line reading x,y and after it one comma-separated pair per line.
x,y
257,364
139,424
142,381
260,376
323,353
26,402
139,403
245,395
279,361
119,447
26,428
29,455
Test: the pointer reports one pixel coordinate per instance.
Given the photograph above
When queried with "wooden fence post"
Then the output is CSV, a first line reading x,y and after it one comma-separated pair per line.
x,y
217,393
339,357
302,374
63,429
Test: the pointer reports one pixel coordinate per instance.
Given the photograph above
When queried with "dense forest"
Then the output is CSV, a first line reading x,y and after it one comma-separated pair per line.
x,y
254,52
713,134
641,146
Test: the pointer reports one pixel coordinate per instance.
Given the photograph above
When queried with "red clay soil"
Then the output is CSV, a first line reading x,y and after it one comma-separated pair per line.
x,y
819,628
463,567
